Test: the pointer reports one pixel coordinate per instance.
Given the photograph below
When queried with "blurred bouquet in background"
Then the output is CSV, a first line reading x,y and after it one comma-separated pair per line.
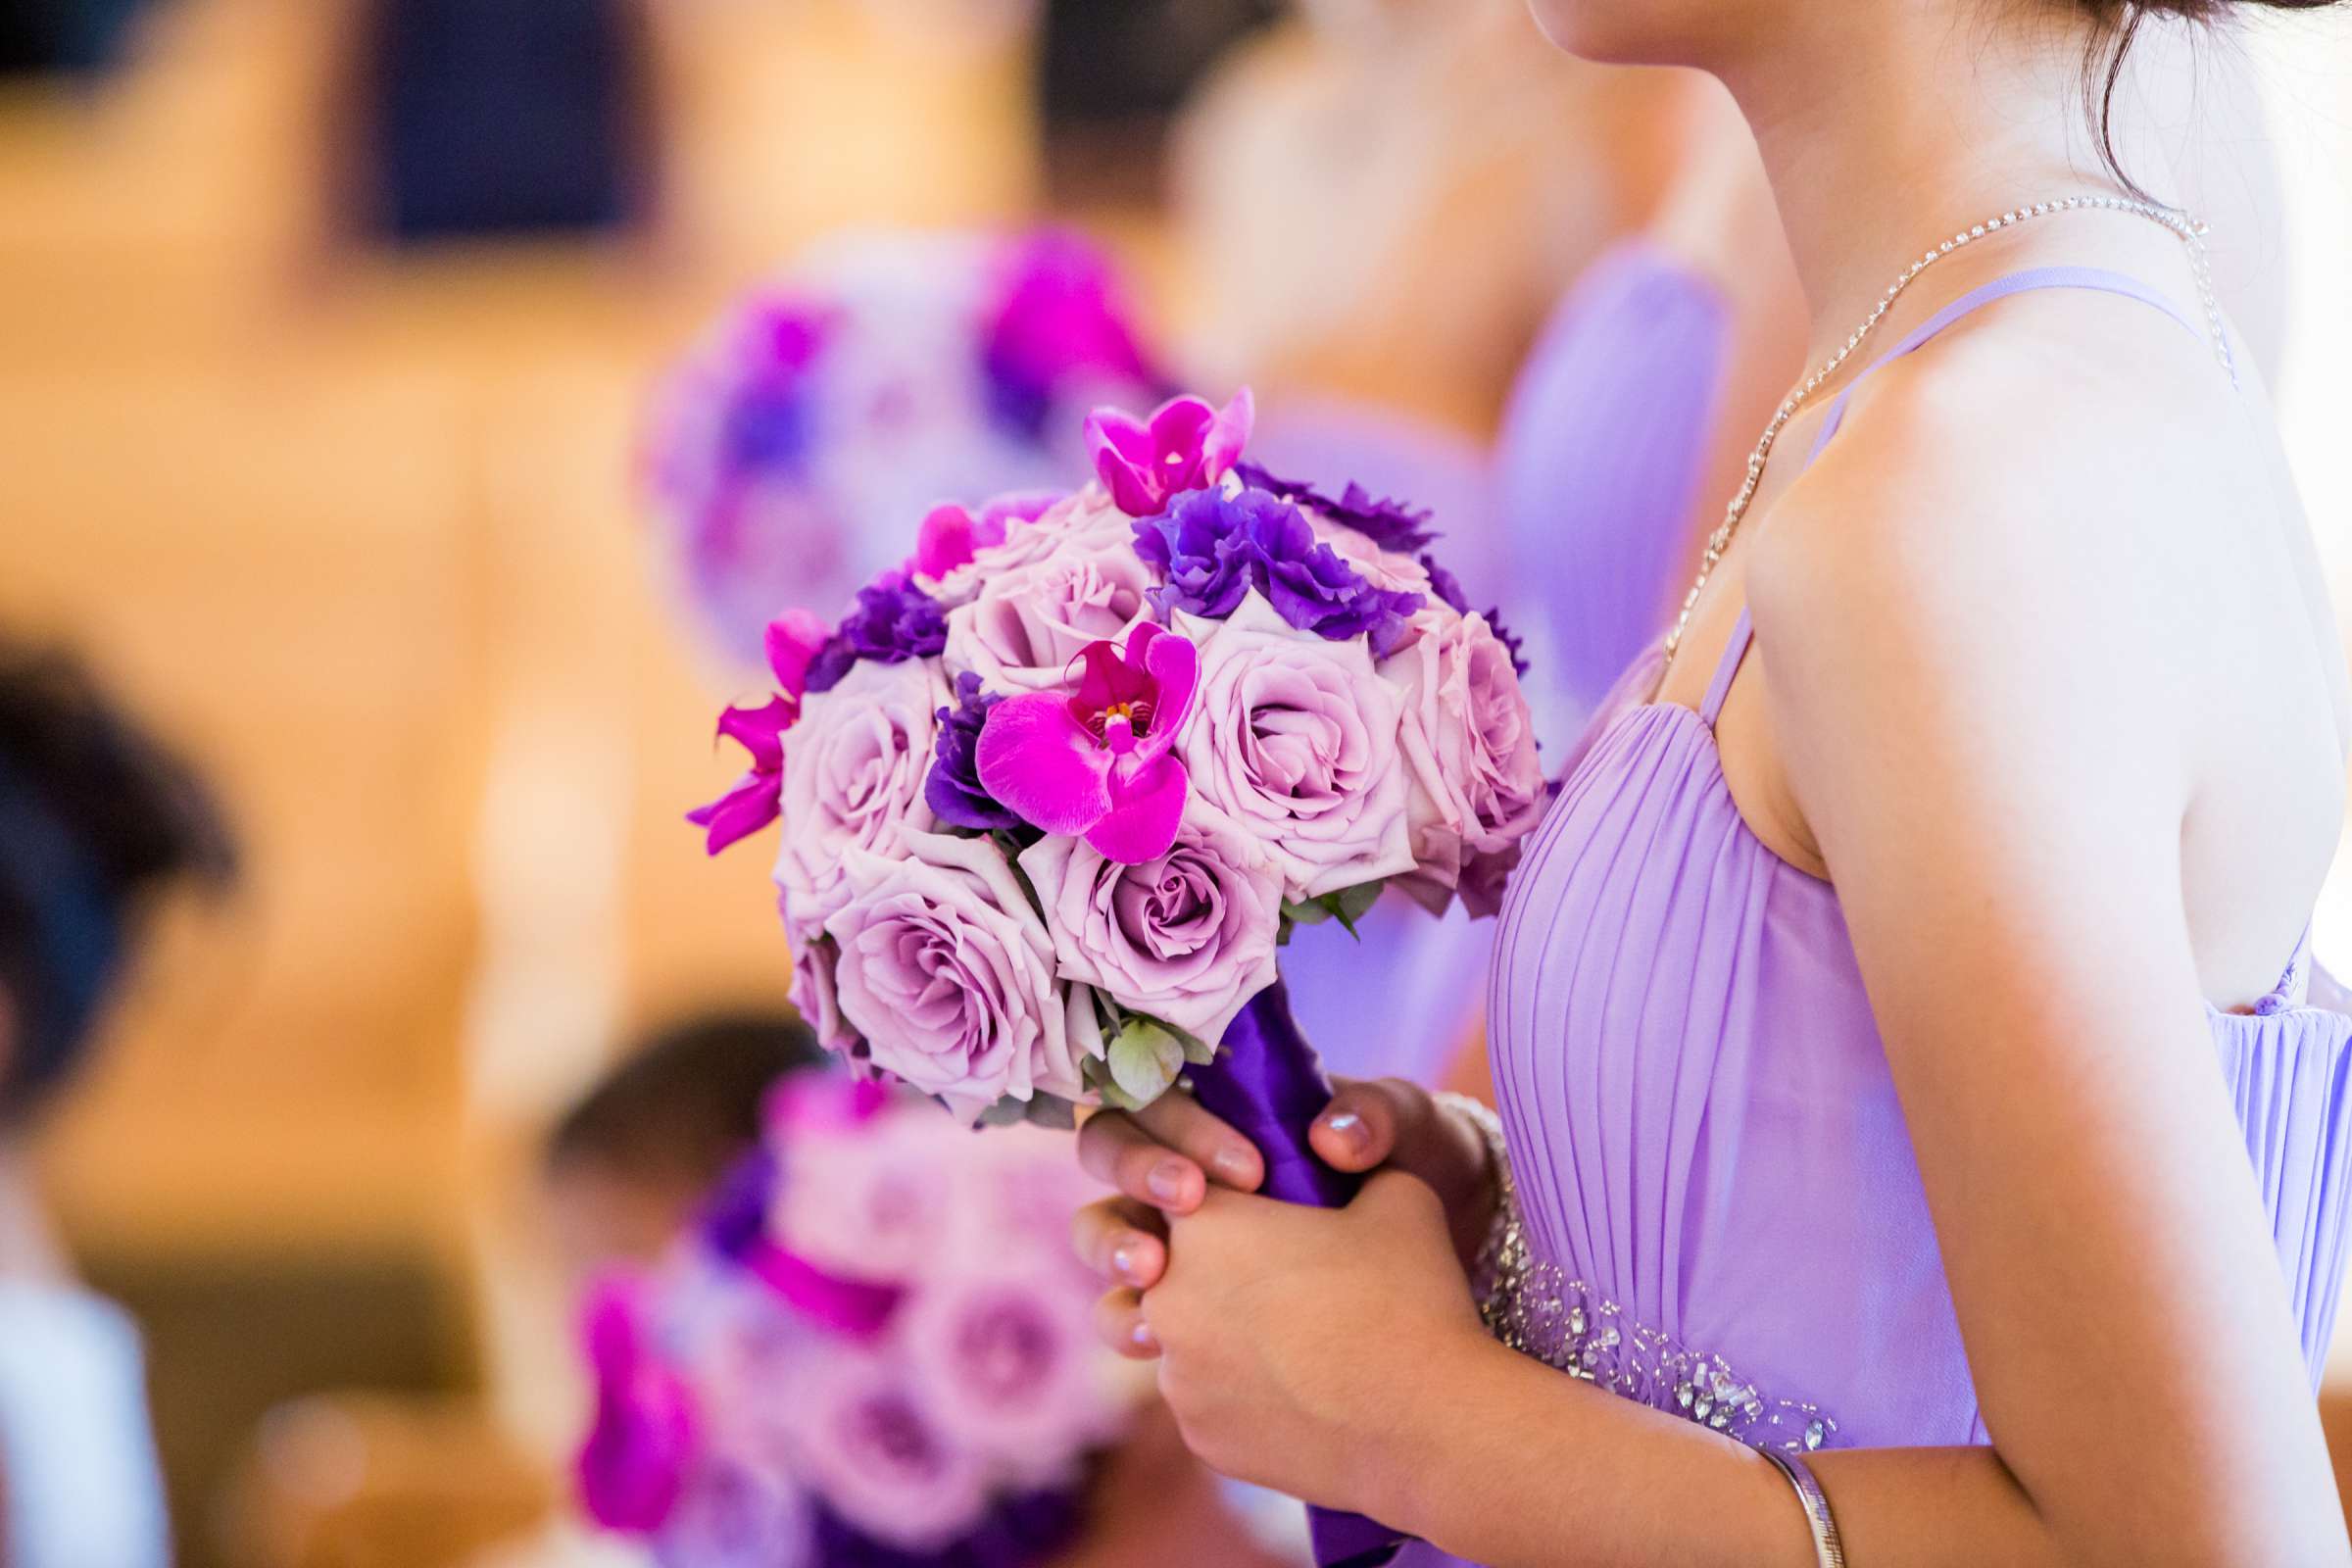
x,y
786,453
876,1351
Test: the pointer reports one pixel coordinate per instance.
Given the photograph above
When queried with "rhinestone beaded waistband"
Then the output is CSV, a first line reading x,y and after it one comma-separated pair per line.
x,y
1533,1308
1564,1323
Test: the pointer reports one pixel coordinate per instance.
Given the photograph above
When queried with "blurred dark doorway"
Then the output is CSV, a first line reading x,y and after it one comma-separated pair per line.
x,y
490,118
69,37
1114,71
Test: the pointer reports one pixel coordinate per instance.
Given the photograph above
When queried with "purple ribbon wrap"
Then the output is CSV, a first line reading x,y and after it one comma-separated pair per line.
x,y
1268,1085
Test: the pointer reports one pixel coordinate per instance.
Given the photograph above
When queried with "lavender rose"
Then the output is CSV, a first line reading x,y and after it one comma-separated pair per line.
x,y
1469,747
1187,938
1028,541
813,956
1294,737
948,974
1005,1358
1026,624
853,778
873,1451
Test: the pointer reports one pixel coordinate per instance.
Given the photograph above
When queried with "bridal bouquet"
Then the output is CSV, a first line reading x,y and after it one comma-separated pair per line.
x,y
1059,788
874,1351
820,413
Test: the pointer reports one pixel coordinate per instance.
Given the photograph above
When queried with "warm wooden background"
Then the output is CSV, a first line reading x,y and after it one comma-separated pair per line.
x,y
357,532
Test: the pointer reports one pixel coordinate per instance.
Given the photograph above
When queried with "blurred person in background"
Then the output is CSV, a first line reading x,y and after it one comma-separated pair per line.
x,y
1380,200
97,822
632,1161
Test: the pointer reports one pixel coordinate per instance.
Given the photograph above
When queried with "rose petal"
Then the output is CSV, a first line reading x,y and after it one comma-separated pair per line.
x,y
1039,761
1147,806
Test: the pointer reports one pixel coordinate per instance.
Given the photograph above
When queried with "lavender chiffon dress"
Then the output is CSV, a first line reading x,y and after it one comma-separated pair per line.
x,y
1718,1184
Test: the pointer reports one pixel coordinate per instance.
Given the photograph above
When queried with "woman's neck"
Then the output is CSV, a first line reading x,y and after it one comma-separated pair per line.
x,y
1881,141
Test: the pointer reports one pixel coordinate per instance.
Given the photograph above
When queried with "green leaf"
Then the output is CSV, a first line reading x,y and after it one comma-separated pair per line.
x,y
1052,1111
1005,1113
1146,1058
1351,904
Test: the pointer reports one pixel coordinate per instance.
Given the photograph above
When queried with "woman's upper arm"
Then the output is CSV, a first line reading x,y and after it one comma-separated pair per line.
x,y
1997,788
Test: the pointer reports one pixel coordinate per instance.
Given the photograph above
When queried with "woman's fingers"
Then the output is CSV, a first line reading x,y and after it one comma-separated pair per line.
x,y
1164,1157
1177,1121
1122,1241
1365,1123
1119,1322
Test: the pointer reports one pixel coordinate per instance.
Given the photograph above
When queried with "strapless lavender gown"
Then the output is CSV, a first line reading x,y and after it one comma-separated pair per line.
x,y
1709,1148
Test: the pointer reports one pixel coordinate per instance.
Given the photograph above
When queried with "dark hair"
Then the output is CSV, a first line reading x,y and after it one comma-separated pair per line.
x,y
684,1104
97,820
2122,19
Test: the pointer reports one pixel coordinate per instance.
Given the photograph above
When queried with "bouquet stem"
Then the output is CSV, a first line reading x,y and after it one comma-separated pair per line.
x,y
1268,1084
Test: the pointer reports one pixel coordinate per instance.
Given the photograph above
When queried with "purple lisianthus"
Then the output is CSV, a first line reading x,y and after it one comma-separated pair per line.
x,y
1390,524
1212,549
1447,586
892,622
954,791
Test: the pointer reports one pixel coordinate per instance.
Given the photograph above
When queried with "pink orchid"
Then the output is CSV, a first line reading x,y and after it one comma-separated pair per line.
x,y
950,537
1100,764
792,640
632,1468
1185,445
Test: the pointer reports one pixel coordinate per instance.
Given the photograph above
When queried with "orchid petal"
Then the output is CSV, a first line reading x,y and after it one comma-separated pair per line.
x,y
792,640
951,536
1018,505
1147,805
1179,429
755,801
1100,678
1121,449
1173,665
761,730
632,1468
1040,763
1227,434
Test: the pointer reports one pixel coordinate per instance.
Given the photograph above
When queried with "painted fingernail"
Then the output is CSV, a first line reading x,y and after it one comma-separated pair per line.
x,y
1168,1180
1233,1165
1124,1256
1350,1128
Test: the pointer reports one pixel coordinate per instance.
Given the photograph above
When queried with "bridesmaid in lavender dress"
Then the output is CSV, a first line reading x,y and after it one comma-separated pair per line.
x,y
1924,1134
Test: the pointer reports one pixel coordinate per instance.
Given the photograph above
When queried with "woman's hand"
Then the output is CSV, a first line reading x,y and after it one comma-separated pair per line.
x,y
1164,1162
1301,1348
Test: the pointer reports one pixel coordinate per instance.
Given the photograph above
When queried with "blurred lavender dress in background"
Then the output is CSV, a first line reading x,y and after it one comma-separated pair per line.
x,y
1576,528
1596,472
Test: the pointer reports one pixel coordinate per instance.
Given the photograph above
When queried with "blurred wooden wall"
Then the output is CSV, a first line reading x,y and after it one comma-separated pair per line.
x,y
354,530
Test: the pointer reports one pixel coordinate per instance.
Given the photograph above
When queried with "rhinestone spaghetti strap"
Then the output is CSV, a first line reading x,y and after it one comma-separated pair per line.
x,y
2191,231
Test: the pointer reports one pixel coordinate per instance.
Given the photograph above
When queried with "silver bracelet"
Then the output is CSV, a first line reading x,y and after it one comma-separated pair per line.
x,y
1827,1551
1503,1258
